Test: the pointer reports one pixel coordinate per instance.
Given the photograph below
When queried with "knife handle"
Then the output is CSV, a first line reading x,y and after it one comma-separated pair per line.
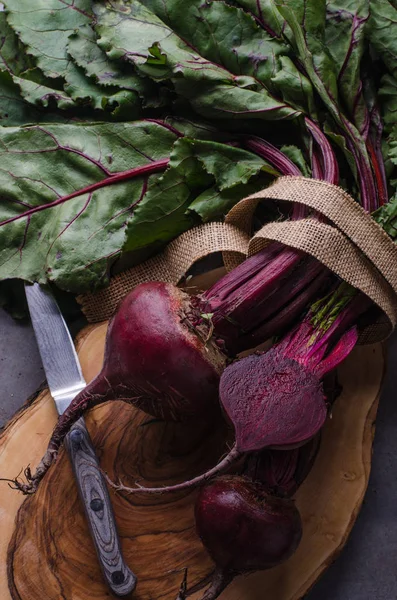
x,y
98,508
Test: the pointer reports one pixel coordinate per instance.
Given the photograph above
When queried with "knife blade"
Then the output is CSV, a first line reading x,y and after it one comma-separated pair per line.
x,y
65,380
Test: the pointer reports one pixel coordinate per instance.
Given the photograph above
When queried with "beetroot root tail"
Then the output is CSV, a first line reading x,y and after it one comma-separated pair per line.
x,y
233,456
33,480
86,399
220,581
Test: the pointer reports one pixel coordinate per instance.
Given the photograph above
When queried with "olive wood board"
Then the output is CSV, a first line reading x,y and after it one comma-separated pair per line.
x,y
45,549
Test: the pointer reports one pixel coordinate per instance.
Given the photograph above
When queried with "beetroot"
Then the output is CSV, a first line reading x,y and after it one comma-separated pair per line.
x,y
155,358
276,398
244,529
161,355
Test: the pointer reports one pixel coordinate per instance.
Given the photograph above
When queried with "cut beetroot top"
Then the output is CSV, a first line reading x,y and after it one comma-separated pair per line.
x,y
272,400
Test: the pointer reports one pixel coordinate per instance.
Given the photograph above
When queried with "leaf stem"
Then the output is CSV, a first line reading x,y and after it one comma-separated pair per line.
x,y
153,167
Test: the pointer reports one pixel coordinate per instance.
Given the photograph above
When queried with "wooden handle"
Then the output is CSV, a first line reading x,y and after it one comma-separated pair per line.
x,y
96,501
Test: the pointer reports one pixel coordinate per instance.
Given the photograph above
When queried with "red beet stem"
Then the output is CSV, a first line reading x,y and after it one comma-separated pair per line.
x,y
244,307
311,343
272,154
284,318
330,164
242,274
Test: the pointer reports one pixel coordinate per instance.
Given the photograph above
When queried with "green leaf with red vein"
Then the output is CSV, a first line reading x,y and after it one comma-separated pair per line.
x,y
43,26
197,169
382,31
83,48
130,31
344,37
266,13
74,242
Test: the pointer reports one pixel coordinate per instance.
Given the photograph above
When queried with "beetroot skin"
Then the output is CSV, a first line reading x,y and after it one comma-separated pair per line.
x,y
157,362
244,529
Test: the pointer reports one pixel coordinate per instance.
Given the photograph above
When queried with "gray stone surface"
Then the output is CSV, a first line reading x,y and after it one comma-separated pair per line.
x,y
366,569
21,372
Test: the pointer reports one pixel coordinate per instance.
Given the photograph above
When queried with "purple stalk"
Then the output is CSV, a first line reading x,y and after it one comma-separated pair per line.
x,y
329,163
272,288
280,161
318,347
270,153
284,318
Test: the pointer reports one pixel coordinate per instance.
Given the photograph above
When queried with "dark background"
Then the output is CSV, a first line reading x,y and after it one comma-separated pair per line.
x,y
367,567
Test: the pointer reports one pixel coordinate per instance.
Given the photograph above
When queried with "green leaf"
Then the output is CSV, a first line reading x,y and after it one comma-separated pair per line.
x,y
266,12
42,95
306,19
161,215
174,201
123,104
294,88
84,50
386,216
44,26
388,97
33,86
12,55
345,37
214,204
222,34
14,110
382,31
392,145
295,154
223,101
74,242
129,31
228,165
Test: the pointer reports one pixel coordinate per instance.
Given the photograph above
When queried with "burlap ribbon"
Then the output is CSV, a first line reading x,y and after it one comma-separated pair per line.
x,y
170,265
352,245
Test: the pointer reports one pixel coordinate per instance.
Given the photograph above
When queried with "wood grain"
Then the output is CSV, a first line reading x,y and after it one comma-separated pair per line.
x,y
45,548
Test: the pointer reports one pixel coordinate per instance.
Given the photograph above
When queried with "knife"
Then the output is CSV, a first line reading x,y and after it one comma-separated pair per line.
x,y
65,380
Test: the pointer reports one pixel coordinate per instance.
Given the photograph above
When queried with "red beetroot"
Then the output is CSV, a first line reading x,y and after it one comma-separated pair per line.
x,y
276,398
160,356
155,358
244,529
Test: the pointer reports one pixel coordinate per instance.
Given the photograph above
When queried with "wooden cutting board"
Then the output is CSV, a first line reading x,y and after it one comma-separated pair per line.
x,y
45,549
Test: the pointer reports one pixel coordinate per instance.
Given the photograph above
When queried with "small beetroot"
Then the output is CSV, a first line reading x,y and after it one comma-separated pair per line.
x,y
244,529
